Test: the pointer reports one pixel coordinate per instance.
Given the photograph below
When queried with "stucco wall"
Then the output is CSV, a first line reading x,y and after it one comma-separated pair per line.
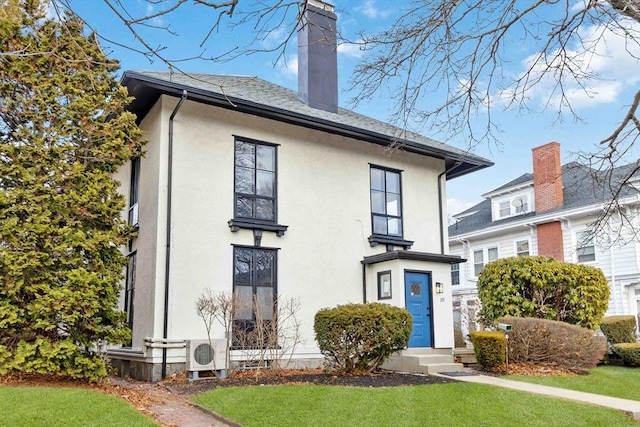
x,y
323,196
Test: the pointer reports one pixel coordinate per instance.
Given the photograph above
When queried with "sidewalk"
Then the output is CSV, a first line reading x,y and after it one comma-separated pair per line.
x,y
630,407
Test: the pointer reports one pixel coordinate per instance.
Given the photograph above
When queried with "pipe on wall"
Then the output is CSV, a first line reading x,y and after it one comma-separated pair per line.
x,y
167,262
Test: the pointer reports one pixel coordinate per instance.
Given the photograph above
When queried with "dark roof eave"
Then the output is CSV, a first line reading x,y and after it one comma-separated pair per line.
x,y
149,89
412,255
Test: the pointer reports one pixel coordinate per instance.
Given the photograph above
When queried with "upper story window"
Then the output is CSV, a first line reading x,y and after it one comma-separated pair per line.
x,y
586,249
511,206
522,248
455,274
134,191
386,202
479,257
255,181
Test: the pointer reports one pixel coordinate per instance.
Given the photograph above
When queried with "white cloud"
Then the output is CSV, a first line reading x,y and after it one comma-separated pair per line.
x,y
351,50
370,10
456,206
606,60
158,20
288,67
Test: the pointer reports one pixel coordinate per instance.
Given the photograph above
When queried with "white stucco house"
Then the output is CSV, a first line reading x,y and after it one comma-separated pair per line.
x,y
552,212
252,188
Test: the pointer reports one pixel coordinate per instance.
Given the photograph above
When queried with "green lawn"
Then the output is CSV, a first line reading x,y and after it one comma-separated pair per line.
x,y
455,404
616,381
49,406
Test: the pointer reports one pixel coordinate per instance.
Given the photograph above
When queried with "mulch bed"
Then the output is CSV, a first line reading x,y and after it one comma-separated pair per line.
x,y
181,386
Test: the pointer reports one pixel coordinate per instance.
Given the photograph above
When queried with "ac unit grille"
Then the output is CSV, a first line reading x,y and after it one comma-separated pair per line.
x,y
203,354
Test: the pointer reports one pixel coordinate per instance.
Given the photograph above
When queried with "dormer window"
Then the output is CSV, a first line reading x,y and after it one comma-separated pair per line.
x,y
511,206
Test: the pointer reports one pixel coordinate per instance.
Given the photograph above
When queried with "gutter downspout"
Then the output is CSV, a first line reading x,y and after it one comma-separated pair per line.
x,y
440,204
364,283
167,263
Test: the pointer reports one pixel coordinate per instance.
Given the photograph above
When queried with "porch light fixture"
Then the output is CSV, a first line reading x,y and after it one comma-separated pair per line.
x,y
439,288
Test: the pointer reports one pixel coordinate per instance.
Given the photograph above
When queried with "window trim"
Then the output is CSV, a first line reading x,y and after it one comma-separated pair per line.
x,y
589,244
476,272
515,247
129,290
253,219
236,223
388,239
485,257
513,210
455,272
382,292
253,284
134,193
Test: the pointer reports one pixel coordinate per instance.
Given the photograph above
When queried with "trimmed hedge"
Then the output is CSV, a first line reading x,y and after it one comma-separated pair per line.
x,y
490,348
544,288
619,329
549,342
360,337
628,352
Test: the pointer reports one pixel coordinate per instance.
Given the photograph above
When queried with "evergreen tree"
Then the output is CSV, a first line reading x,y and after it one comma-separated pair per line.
x,y
64,131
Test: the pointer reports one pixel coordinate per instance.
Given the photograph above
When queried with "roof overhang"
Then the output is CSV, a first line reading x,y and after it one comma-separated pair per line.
x,y
412,255
146,91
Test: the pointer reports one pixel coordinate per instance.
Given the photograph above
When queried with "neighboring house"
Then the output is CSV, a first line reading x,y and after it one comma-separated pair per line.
x,y
251,188
550,212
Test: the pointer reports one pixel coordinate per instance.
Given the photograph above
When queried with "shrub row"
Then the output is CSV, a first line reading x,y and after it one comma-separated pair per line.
x,y
628,352
490,348
549,342
619,329
360,337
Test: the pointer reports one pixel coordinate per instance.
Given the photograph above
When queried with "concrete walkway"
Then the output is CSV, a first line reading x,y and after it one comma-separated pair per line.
x,y
172,410
630,407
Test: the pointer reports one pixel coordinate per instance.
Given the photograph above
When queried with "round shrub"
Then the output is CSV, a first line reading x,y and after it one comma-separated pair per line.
x,y
544,288
490,348
360,337
628,352
549,342
619,329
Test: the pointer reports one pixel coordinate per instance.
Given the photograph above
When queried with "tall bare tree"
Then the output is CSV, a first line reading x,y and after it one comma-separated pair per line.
x,y
447,62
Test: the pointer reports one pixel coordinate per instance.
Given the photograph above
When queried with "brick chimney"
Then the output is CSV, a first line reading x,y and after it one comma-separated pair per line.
x,y
318,57
547,177
547,188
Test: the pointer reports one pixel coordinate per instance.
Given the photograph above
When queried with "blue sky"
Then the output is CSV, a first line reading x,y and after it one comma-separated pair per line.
x,y
522,130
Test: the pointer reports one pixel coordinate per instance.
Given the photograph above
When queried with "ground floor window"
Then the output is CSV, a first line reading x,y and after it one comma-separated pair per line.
x,y
254,291
129,290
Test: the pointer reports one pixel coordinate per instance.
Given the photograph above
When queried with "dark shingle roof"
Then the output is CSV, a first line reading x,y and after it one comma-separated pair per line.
x,y
582,186
527,177
256,96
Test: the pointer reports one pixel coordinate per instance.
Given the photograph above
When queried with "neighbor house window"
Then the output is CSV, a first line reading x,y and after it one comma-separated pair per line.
x,y
384,285
478,262
134,191
129,289
455,274
522,248
479,257
492,254
254,291
505,209
386,202
255,181
586,249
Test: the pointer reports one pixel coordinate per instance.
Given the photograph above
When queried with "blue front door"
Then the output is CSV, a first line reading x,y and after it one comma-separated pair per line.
x,y
417,291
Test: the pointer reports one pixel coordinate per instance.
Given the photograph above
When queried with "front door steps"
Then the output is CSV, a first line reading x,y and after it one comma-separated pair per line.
x,y
423,360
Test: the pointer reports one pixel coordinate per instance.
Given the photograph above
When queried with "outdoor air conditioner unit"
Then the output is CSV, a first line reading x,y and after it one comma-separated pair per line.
x,y
205,355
